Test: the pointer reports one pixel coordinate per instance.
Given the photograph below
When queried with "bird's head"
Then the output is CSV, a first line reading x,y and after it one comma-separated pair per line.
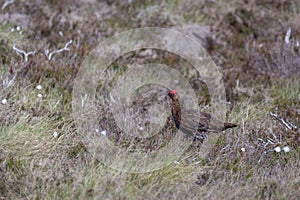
x,y
173,95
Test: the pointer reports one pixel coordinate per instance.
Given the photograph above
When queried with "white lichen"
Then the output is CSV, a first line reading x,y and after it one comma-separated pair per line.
x,y
50,55
19,51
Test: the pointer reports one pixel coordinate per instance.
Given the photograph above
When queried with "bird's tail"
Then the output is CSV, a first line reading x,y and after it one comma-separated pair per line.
x,y
229,125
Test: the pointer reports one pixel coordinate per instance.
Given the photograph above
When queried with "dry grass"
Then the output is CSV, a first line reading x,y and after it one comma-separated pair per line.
x,y
260,71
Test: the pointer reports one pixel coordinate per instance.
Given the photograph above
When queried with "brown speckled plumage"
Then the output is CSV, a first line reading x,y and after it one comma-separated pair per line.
x,y
193,123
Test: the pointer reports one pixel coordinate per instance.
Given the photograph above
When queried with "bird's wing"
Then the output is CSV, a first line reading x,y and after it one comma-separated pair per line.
x,y
217,125
193,121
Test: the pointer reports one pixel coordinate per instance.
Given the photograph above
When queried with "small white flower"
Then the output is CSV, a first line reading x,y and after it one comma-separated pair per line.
x,y
18,28
55,134
261,45
176,162
141,128
277,149
12,30
4,101
243,149
61,33
97,130
39,87
103,132
286,149
40,95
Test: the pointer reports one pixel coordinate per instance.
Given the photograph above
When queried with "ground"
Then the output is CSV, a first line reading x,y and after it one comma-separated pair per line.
x,y
255,46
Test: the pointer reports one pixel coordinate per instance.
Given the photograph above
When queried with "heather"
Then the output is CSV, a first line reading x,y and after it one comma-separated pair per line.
x,y
255,45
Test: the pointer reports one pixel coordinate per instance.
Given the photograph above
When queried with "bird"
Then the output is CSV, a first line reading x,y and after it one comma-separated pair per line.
x,y
195,123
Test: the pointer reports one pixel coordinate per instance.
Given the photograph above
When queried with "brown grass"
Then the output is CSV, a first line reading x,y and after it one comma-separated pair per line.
x,y
246,41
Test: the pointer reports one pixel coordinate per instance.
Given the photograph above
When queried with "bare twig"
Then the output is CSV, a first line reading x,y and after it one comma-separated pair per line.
x,y
7,83
19,51
6,3
275,139
49,56
112,99
286,123
270,141
288,36
83,100
265,143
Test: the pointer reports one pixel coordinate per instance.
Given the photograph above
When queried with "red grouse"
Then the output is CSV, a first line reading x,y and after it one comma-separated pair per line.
x,y
193,123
